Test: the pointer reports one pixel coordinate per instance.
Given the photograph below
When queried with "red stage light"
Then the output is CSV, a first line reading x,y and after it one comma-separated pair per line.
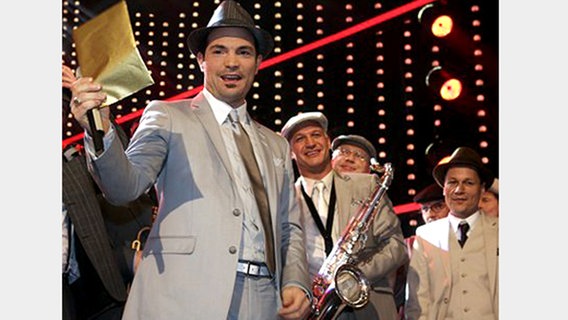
x,y
442,26
435,19
447,85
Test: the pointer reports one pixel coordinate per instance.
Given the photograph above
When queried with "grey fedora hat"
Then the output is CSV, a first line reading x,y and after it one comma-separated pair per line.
x,y
231,14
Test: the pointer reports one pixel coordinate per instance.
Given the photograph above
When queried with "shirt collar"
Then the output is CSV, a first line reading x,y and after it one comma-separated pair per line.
x,y
222,109
308,183
471,220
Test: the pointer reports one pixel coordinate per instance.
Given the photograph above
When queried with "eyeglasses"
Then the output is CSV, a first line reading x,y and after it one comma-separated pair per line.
x,y
346,152
435,207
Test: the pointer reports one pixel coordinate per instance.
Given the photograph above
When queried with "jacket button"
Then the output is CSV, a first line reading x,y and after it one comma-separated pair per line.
x,y
236,212
446,300
232,249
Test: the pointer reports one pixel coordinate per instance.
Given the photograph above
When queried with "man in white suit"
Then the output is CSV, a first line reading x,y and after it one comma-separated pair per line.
x,y
384,250
208,254
454,267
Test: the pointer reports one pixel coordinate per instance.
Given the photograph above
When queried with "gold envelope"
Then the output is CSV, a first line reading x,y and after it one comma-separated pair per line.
x,y
107,52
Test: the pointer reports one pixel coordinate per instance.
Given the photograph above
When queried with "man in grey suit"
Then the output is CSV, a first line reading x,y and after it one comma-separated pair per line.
x,y
327,213
454,269
210,253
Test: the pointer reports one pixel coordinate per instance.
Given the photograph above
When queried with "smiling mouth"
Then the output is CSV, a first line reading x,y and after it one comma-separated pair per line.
x,y
312,153
231,77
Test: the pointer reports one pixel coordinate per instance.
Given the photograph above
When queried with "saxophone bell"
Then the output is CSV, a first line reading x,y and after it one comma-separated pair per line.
x,y
349,288
352,286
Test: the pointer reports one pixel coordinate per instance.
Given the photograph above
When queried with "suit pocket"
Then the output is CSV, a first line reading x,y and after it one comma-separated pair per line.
x,y
171,245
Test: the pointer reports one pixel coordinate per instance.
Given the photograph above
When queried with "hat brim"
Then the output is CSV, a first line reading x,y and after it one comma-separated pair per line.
x,y
197,39
439,173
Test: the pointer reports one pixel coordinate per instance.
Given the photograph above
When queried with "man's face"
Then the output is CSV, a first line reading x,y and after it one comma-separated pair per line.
x,y
350,158
489,204
434,210
229,64
310,148
462,191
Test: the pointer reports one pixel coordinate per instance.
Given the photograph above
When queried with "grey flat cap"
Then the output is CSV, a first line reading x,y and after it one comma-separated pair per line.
x,y
355,140
300,120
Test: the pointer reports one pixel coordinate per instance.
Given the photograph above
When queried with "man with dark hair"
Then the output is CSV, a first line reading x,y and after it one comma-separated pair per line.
x,y
227,242
454,268
432,204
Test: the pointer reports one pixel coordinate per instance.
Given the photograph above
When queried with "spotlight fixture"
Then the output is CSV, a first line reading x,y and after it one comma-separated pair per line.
x,y
445,83
436,20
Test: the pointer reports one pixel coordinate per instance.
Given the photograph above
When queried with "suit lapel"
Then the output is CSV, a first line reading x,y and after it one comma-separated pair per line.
x,y
344,196
203,112
269,170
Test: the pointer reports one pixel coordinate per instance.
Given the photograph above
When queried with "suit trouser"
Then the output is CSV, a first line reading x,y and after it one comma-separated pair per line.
x,y
254,298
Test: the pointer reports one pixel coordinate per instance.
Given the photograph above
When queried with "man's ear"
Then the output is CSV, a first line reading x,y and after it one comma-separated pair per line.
x,y
200,61
258,62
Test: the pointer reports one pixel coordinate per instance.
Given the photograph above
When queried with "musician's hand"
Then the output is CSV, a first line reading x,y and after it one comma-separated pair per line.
x,y
295,304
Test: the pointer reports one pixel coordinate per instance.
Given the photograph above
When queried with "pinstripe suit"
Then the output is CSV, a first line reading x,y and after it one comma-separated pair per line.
x,y
83,209
79,195
106,253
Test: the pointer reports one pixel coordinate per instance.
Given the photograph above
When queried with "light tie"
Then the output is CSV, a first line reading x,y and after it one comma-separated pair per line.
x,y
247,154
320,197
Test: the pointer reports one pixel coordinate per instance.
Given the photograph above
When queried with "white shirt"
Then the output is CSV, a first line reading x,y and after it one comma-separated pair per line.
x,y
252,242
455,221
315,245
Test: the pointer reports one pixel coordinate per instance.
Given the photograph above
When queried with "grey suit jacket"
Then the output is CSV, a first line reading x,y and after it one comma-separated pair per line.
x,y
190,258
430,277
385,249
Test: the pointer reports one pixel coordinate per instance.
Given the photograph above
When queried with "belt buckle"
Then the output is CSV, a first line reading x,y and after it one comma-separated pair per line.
x,y
253,269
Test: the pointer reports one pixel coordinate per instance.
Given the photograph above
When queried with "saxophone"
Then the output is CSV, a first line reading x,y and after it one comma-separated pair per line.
x,y
339,283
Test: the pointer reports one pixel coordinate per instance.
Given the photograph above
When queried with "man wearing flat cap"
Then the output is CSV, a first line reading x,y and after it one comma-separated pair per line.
x,y
227,242
352,153
453,271
328,200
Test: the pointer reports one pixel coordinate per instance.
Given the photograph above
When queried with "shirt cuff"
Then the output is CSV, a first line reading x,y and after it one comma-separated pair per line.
x,y
90,145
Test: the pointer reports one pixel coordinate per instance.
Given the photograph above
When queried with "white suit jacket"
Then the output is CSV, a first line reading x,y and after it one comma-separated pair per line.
x,y
429,276
190,258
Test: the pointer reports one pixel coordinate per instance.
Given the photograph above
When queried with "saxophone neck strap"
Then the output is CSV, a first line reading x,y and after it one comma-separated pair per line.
x,y
325,232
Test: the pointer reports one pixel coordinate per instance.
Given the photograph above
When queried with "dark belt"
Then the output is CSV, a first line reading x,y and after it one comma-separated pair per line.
x,y
255,269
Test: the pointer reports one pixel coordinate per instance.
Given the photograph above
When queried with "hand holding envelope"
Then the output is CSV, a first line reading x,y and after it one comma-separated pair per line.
x,y
106,50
